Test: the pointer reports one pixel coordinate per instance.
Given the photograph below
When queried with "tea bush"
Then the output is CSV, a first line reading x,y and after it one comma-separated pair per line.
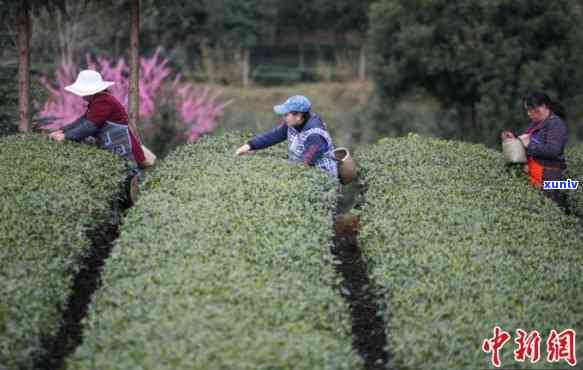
x,y
458,243
574,157
224,263
50,196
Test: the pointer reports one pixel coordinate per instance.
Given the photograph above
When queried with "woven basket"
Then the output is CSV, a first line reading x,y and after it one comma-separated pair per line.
x,y
513,151
150,158
346,167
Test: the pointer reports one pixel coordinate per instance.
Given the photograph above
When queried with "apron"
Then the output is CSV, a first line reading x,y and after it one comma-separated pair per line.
x,y
115,137
296,143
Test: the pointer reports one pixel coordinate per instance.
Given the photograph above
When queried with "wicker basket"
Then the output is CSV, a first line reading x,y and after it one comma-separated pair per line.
x,y
513,151
346,167
150,158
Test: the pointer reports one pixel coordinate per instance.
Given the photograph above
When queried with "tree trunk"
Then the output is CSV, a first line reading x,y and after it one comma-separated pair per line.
x,y
475,123
362,63
302,50
24,31
133,94
207,59
245,61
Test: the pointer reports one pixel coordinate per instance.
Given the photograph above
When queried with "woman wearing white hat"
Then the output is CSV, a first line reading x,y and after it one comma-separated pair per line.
x,y
107,120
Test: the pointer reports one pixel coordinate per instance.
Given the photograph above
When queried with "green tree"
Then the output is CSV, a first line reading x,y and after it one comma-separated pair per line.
x,y
240,24
178,25
16,25
8,71
348,17
211,27
300,18
477,58
73,32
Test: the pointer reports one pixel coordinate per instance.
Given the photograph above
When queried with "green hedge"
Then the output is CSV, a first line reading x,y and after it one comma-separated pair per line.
x,y
574,157
50,195
224,264
459,244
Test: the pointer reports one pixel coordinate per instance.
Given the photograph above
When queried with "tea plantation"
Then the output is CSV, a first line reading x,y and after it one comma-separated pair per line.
x,y
50,197
458,244
224,263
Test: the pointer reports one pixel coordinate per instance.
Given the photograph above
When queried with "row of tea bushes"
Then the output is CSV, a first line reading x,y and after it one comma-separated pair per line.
x,y
224,263
459,246
574,157
50,196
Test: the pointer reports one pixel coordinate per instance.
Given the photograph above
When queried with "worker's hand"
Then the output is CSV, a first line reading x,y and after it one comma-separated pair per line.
x,y
506,134
90,140
57,135
525,139
244,149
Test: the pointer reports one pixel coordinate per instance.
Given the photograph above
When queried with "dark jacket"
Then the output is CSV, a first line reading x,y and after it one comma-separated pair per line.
x,y
315,146
547,141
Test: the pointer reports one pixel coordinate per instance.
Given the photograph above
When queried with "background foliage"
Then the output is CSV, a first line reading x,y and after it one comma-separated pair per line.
x,y
447,69
477,58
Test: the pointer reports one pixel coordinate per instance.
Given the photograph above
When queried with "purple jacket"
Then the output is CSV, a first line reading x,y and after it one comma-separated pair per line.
x,y
547,141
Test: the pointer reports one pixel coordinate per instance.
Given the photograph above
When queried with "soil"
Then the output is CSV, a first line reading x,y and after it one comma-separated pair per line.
x,y
85,283
368,326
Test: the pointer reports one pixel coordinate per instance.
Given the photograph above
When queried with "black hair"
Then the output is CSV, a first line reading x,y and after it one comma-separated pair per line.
x,y
305,115
536,99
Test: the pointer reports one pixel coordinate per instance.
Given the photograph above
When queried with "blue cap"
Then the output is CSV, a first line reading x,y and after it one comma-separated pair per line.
x,y
296,103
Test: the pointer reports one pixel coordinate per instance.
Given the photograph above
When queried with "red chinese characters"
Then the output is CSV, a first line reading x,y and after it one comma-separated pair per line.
x,y
560,346
528,346
495,344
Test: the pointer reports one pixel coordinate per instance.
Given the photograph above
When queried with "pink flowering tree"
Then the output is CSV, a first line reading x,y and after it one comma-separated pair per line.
x,y
62,107
196,109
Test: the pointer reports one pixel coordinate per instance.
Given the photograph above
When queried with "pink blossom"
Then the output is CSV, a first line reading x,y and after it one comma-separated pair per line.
x,y
62,106
197,108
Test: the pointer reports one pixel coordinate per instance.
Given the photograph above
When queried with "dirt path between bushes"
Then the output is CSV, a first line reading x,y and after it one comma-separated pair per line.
x,y
369,339
85,283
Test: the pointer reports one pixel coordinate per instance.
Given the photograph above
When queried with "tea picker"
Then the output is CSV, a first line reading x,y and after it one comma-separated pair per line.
x,y
307,137
541,145
106,120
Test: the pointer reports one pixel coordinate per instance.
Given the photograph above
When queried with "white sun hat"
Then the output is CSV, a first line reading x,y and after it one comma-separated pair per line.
x,y
88,83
